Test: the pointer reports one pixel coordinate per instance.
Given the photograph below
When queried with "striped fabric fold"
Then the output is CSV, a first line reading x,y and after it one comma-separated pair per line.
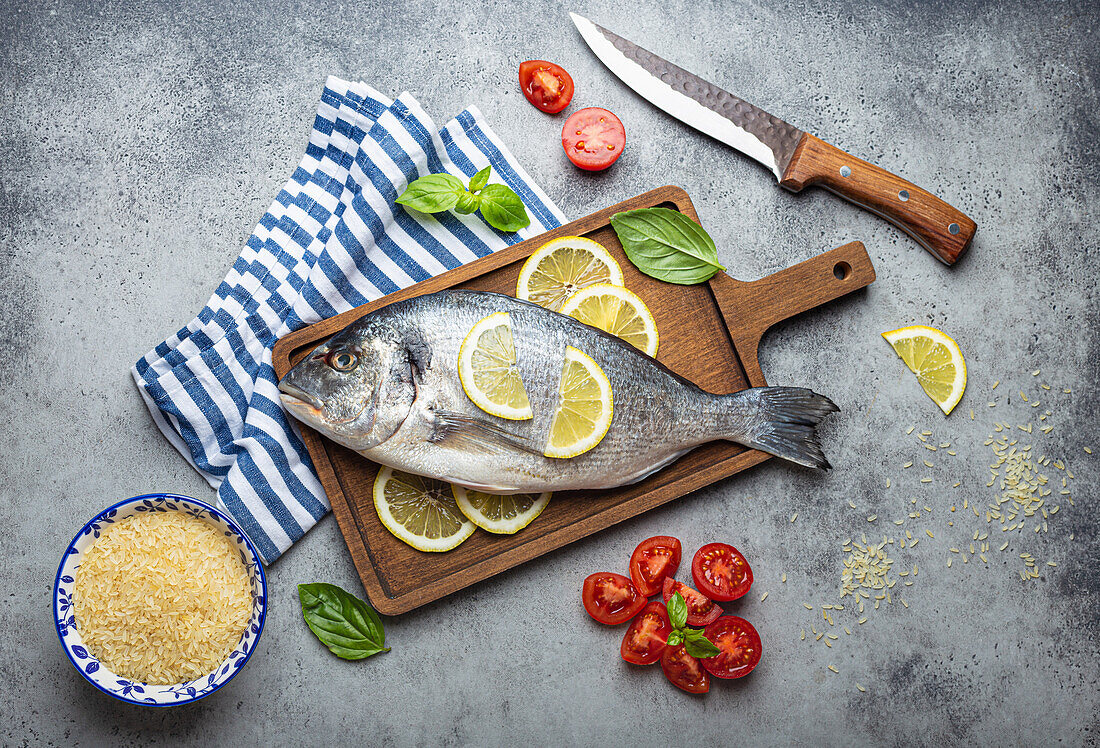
x,y
333,239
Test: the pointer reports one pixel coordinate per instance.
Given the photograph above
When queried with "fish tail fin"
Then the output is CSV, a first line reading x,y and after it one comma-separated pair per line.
x,y
781,421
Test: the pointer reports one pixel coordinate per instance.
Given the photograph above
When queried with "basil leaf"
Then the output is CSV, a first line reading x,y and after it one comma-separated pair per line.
x,y
699,646
667,245
467,203
675,638
502,208
342,622
480,179
677,611
433,193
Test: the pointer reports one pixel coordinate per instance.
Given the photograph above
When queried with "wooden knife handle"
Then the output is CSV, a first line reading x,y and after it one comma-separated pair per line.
x,y
938,227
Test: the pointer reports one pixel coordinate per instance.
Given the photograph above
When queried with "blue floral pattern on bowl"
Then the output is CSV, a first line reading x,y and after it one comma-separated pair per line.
x,y
136,692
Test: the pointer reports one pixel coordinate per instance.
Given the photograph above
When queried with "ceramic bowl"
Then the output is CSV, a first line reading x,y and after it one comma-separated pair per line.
x,y
135,692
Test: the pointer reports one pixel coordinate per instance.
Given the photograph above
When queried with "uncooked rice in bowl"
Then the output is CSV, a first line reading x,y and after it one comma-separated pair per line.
x,y
162,598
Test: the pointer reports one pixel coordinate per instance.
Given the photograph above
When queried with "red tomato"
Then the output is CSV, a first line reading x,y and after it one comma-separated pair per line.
x,y
701,610
740,645
684,671
593,138
611,598
545,85
721,572
652,561
645,640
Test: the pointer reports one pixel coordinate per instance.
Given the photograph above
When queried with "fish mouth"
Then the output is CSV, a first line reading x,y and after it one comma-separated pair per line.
x,y
296,397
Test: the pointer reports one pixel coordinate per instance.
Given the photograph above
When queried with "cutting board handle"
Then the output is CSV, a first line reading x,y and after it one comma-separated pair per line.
x,y
750,308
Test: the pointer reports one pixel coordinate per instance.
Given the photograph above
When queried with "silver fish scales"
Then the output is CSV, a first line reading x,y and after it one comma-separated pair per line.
x,y
387,386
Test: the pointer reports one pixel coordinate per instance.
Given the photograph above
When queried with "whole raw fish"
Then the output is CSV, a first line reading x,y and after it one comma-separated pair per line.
x,y
398,401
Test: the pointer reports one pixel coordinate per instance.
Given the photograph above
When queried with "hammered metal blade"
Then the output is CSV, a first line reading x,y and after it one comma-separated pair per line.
x,y
694,101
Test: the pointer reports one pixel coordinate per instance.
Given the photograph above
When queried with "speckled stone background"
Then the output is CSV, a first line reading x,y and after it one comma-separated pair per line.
x,y
140,142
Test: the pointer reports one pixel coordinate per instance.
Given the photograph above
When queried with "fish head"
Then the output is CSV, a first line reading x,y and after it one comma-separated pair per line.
x,y
356,388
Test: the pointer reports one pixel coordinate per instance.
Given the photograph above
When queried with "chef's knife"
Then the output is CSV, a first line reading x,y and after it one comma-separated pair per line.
x,y
797,158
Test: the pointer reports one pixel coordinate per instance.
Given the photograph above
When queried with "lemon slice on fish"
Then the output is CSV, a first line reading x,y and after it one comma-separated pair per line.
x,y
503,515
563,266
615,310
487,369
420,511
935,358
585,407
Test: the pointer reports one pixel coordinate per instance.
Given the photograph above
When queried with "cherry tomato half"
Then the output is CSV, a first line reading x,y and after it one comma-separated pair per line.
x,y
721,572
546,85
684,671
645,640
611,598
652,561
701,610
593,138
739,644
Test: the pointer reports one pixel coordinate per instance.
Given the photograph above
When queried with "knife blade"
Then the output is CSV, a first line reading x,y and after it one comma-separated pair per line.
x,y
797,158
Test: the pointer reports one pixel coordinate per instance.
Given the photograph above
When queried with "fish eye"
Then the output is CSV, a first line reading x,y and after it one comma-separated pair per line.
x,y
342,360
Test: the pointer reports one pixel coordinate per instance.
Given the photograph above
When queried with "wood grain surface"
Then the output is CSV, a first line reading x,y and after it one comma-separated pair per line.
x,y
940,228
709,334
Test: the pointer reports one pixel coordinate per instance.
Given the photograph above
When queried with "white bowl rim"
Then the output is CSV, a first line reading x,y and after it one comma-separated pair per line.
x,y
149,497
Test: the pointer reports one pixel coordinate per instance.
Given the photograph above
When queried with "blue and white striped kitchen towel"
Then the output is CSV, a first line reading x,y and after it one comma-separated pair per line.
x,y
332,240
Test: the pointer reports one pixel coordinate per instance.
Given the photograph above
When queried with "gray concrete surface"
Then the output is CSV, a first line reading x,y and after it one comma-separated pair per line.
x,y
141,142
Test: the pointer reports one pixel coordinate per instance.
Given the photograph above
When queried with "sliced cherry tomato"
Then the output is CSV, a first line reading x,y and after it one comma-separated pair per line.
x,y
701,610
739,644
721,572
593,138
652,561
645,640
546,85
684,671
611,598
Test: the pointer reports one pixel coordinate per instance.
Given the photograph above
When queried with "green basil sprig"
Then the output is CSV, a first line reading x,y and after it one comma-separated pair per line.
x,y
500,206
433,193
667,245
345,624
694,641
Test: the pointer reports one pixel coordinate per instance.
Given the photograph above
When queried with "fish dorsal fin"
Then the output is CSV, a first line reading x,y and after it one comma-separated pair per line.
x,y
462,430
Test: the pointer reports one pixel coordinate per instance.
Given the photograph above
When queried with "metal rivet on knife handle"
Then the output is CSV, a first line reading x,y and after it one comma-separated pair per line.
x,y
953,228
903,196
845,172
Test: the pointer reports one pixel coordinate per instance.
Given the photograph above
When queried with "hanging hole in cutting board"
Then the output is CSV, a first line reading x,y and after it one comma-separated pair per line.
x,y
842,270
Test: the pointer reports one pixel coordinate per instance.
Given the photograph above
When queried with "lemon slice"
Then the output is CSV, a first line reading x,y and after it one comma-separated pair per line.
x,y
487,369
584,407
420,511
615,310
563,266
503,515
936,360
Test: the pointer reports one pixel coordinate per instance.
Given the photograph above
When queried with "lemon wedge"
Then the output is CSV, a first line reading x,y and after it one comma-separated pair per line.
x,y
503,515
935,358
487,369
420,511
585,407
563,266
615,310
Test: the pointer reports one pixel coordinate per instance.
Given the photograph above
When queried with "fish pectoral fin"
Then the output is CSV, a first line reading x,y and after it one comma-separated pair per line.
x,y
459,429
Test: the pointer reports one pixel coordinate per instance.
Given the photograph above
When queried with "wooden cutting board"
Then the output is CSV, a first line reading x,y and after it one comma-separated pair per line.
x,y
709,334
